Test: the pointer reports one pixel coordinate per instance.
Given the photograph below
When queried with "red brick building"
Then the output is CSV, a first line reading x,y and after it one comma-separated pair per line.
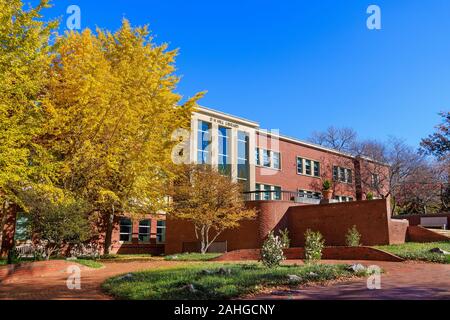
x,y
272,167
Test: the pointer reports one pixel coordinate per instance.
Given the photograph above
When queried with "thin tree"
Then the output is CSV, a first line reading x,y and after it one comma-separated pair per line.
x,y
210,201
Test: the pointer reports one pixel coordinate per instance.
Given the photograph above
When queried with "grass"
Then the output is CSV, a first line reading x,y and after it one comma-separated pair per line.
x,y
192,256
3,262
419,251
128,257
208,283
89,263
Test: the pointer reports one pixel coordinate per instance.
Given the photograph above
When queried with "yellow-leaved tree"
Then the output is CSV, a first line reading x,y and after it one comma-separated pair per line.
x,y
210,201
25,56
112,107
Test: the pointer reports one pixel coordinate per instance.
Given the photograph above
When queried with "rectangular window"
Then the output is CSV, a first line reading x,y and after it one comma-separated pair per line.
x,y
375,180
126,229
257,193
224,151
276,160
266,158
308,167
144,230
161,231
204,143
299,165
243,156
342,174
277,193
335,173
309,194
343,198
316,169
267,194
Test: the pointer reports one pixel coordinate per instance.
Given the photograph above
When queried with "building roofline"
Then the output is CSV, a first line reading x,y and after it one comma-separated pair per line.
x,y
319,147
229,116
255,125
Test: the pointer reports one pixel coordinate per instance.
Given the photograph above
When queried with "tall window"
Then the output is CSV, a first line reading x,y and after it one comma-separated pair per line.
x,y
308,167
243,153
224,151
144,230
257,155
268,158
161,231
257,193
204,142
126,228
342,174
276,160
375,180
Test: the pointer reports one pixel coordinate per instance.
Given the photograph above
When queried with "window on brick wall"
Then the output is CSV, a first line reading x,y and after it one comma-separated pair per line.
x,y
309,194
161,231
308,167
268,158
341,174
144,230
343,198
126,229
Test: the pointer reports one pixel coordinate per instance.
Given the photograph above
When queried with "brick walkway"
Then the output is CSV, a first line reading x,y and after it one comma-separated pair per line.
x,y
408,280
47,280
405,280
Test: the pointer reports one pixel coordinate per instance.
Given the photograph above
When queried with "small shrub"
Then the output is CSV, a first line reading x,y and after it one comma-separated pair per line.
x,y
326,185
353,237
369,196
284,236
314,244
272,251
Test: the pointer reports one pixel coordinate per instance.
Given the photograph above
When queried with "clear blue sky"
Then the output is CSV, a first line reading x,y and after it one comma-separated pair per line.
x,y
301,66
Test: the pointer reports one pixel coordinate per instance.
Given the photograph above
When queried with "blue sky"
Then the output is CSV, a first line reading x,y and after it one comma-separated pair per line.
x,y
301,66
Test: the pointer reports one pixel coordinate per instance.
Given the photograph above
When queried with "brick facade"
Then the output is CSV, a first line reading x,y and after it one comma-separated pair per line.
x,y
372,219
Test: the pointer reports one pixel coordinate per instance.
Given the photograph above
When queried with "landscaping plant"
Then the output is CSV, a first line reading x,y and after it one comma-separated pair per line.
x,y
353,237
272,251
314,244
284,236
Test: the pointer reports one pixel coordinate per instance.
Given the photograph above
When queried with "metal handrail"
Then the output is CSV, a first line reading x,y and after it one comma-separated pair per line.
x,y
279,195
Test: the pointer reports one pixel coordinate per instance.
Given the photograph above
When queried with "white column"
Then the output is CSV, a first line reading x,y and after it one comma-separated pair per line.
x,y
214,145
233,153
194,139
251,160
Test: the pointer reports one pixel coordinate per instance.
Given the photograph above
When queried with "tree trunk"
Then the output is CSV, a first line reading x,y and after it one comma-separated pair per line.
x,y
9,229
108,233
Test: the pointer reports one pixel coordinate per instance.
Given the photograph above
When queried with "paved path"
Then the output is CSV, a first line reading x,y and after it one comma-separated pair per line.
x,y
407,280
400,280
46,280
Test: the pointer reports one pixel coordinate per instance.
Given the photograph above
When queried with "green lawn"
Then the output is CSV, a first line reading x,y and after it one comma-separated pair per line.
x,y
209,283
129,257
192,256
419,251
89,263
3,262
